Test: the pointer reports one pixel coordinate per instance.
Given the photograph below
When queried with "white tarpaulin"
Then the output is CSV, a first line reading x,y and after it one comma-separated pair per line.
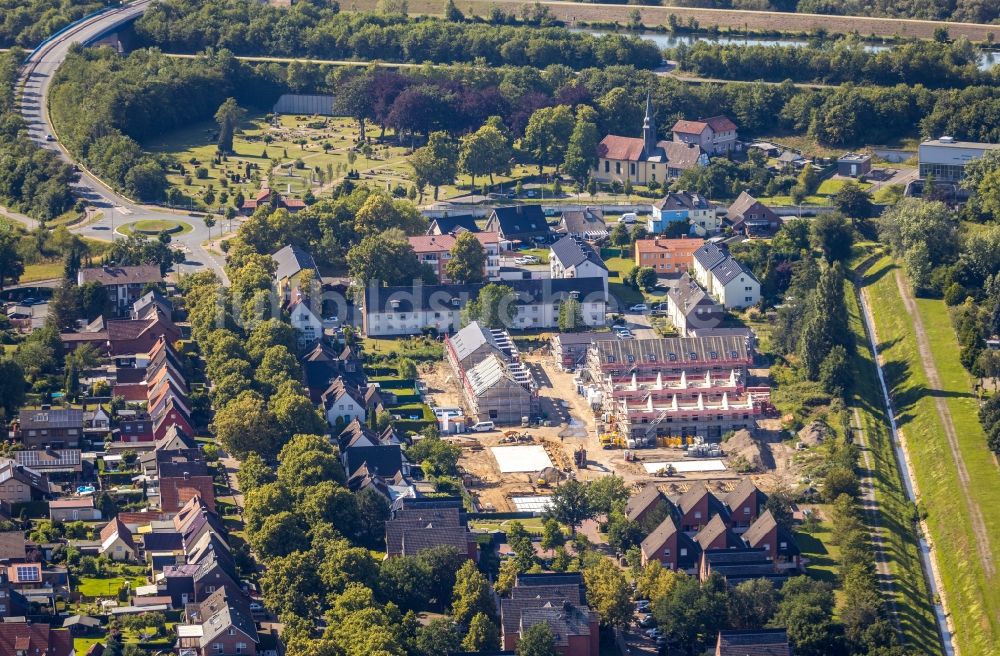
x,y
686,466
513,459
532,504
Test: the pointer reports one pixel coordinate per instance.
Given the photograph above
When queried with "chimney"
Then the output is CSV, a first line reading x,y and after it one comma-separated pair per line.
x,y
187,476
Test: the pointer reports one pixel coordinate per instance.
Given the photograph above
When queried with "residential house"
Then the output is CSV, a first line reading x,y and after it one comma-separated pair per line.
x,y
411,310
571,257
124,284
416,525
150,303
72,509
587,223
669,545
222,624
131,336
96,421
137,428
716,135
385,461
117,543
50,461
305,319
322,365
753,642
31,639
48,427
689,307
12,603
343,403
649,501
19,484
452,225
682,212
716,534
752,218
290,262
667,256
180,481
725,278
556,600
744,503
518,224
646,159
435,252
738,565
13,547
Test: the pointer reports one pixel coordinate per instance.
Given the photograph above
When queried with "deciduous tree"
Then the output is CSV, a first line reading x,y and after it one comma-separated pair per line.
x,y
493,307
547,135
570,504
228,116
467,263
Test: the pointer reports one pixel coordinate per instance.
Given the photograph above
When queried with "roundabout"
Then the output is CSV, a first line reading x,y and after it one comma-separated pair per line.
x,y
154,227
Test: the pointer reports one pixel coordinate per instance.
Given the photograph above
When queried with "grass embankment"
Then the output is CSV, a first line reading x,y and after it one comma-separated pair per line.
x,y
154,227
899,538
973,598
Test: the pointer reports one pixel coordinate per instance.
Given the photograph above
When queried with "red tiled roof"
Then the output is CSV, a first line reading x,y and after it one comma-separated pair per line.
x,y
721,124
621,148
689,127
432,243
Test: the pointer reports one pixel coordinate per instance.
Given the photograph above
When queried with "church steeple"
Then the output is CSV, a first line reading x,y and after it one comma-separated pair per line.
x,y
649,128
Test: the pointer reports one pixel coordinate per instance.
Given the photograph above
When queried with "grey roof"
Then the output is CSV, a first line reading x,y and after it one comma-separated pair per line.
x,y
384,459
740,493
710,255
469,339
36,419
81,620
682,200
688,296
710,532
749,642
520,221
654,541
692,497
571,253
639,503
290,260
11,470
587,220
121,275
555,599
446,298
416,540
226,607
730,269
760,528
678,350
166,541
445,225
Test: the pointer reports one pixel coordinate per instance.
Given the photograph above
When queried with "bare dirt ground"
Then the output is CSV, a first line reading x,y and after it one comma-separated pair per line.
x,y
571,12
573,426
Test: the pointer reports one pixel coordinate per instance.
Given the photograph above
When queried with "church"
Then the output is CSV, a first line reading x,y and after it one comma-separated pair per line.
x,y
645,160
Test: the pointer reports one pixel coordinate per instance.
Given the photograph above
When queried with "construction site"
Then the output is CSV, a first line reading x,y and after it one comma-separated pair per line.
x,y
575,431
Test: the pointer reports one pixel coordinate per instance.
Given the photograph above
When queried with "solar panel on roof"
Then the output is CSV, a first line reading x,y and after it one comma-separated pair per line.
x,y
27,573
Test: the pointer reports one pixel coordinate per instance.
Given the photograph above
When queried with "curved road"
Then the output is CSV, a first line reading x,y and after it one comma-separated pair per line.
x,y
35,80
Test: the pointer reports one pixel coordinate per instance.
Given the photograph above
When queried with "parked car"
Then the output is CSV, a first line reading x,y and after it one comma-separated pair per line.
x,y
629,218
483,426
256,607
654,633
330,321
49,137
624,334
639,307
530,259
647,621
642,605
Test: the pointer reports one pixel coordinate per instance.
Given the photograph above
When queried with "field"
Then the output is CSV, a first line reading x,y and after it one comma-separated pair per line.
x,y
899,540
971,587
740,21
295,154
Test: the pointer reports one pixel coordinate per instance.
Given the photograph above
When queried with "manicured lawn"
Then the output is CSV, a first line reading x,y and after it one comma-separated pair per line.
x,y
973,599
823,555
155,227
900,542
83,645
94,587
42,271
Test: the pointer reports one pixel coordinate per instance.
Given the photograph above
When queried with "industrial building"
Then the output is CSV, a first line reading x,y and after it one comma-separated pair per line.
x,y
496,386
945,158
693,387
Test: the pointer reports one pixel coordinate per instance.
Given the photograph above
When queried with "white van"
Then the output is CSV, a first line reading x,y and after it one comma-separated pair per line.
x,y
482,426
629,218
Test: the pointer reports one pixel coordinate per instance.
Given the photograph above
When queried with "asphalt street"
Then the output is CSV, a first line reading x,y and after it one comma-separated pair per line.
x,y
116,209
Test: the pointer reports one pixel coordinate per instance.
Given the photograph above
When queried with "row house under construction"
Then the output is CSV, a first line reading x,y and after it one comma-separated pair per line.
x,y
676,387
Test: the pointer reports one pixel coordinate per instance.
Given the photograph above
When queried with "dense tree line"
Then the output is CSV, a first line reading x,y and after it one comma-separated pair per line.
x,y
315,29
104,105
26,23
928,63
32,180
976,11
